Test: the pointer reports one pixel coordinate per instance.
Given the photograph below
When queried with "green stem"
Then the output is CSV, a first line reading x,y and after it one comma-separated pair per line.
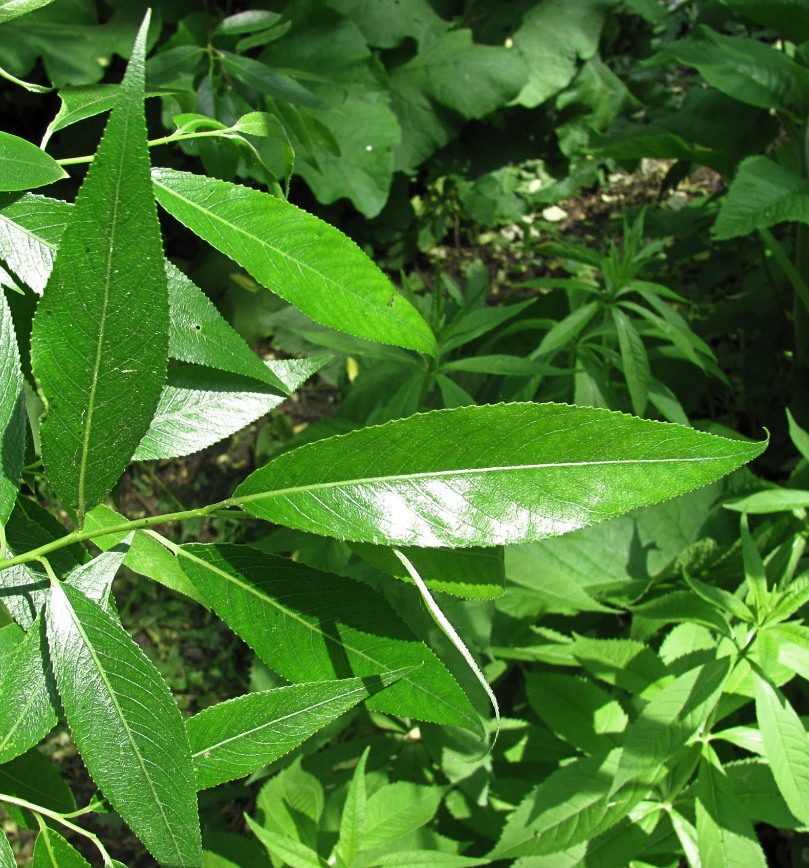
x,y
59,818
163,140
123,527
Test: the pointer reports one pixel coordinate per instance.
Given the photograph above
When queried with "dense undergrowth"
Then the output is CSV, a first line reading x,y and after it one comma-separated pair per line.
x,y
322,519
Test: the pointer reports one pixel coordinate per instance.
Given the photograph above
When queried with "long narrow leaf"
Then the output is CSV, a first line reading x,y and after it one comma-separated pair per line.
x,y
126,726
487,475
313,626
300,258
100,335
12,413
231,739
786,745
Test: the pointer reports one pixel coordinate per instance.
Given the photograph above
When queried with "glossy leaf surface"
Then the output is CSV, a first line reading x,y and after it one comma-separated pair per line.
x,y
199,334
10,9
30,229
94,579
300,258
441,479
52,851
7,859
100,334
231,739
311,626
201,406
12,413
23,165
28,701
126,726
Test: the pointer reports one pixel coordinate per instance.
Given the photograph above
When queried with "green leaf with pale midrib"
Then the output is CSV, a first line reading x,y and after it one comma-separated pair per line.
x,y
53,851
443,479
125,725
12,414
299,257
233,738
100,335
29,706
30,229
312,626
23,165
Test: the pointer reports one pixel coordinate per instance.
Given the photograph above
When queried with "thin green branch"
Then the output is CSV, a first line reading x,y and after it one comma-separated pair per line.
x,y
59,818
123,527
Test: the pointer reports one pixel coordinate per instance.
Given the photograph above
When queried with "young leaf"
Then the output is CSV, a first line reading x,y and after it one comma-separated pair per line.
x,y
287,850
726,837
23,165
126,726
398,809
786,745
146,554
635,361
570,806
668,721
200,335
80,103
12,414
100,334
28,701
231,739
30,229
577,710
297,256
312,626
441,479
94,579
755,573
200,407
52,851
354,819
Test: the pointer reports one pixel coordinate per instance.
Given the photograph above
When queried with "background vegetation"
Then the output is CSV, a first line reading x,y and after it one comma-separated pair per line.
x,y
599,203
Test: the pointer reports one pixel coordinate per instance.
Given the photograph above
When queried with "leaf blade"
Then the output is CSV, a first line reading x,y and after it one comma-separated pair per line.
x,y
100,333
300,258
126,726
438,479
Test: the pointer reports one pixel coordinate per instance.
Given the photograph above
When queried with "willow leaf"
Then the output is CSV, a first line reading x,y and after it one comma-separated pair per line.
x,y
314,626
100,335
231,739
125,725
485,476
299,257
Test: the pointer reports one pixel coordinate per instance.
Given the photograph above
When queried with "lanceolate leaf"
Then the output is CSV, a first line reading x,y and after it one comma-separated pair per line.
x,y
234,738
486,476
300,258
7,859
10,9
313,626
30,229
668,720
12,413
126,726
94,579
100,335
52,851
200,407
28,701
725,835
200,335
23,165
786,745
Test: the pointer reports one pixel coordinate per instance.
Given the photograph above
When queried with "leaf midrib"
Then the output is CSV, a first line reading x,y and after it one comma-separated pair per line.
x,y
256,592
467,471
104,677
299,263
